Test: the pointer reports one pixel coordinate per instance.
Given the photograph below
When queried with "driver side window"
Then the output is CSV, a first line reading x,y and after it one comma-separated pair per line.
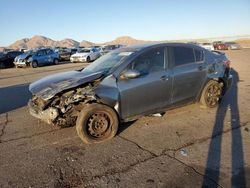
x,y
149,61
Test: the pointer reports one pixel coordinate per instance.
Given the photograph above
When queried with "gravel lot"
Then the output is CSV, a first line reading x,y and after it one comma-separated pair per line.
x,y
187,147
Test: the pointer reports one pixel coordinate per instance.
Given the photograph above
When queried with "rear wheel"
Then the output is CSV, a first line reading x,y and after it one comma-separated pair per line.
x,y
211,94
97,123
34,64
56,61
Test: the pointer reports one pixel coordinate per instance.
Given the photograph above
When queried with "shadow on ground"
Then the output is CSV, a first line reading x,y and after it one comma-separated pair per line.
x,y
230,104
14,97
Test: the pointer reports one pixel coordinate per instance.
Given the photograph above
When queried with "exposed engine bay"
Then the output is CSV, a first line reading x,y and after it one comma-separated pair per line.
x,y
62,109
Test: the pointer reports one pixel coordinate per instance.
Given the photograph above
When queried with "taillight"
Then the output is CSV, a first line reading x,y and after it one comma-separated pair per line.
x,y
227,63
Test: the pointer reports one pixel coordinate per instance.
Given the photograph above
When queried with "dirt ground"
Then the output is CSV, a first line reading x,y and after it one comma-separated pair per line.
x,y
187,147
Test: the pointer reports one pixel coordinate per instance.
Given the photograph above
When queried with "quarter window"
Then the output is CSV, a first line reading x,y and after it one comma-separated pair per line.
x,y
183,55
198,55
150,61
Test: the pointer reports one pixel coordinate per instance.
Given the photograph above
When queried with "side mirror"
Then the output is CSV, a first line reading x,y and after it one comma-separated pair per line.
x,y
130,74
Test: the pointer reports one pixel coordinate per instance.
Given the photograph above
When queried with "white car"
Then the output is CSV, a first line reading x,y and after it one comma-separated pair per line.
x,y
85,55
208,46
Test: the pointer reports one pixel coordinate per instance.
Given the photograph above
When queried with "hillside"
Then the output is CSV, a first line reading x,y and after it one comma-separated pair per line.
x,y
126,40
41,41
85,43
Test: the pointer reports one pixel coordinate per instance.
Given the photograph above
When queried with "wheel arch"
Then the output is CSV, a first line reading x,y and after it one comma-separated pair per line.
x,y
218,79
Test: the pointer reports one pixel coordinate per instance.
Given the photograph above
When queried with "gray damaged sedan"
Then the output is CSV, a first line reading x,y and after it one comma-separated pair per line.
x,y
128,83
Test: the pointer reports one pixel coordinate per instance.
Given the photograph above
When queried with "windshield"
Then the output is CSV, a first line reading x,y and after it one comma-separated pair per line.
x,y
108,61
84,51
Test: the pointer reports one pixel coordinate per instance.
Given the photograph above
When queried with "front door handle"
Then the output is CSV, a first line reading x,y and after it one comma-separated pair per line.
x,y
163,78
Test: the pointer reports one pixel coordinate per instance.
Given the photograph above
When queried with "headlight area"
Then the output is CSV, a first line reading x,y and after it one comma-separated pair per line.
x,y
62,109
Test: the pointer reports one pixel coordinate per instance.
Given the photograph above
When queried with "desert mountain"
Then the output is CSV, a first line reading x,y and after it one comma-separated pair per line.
x,y
41,41
126,40
20,44
67,43
86,43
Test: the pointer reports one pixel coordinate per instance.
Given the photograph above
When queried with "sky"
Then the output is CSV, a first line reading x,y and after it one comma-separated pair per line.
x,y
104,20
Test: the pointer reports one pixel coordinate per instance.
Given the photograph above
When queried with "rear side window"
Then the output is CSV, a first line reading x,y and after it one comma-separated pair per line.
x,y
149,61
183,55
49,51
198,55
41,52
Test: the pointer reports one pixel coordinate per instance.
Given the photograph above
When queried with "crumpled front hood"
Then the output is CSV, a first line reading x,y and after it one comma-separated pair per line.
x,y
49,86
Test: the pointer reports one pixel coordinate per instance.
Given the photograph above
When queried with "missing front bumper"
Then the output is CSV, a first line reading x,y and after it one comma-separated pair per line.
x,y
48,115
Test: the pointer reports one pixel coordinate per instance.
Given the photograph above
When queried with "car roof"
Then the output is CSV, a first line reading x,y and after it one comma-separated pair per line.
x,y
161,44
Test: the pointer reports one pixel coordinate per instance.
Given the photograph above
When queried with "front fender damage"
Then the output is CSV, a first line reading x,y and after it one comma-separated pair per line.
x,y
62,109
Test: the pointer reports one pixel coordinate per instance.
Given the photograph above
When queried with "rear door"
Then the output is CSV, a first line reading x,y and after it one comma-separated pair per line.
x,y
151,90
49,56
189,73
95,52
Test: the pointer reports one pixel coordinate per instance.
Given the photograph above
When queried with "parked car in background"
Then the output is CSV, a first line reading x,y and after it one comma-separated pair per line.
x,y
206,45
64,54
23,50
7,59
8,50
73,50
219,45
107,48
232,46
128,83
37,57
85,55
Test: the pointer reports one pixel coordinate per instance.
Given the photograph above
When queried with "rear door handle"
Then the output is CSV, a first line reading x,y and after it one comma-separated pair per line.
x,y
163,78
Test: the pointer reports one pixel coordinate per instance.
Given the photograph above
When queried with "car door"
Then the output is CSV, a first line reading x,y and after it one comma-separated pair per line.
x,y
41,57
94,54
49,56
151,90
189,73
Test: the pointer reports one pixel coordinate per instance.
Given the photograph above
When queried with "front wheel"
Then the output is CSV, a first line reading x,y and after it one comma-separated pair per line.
x,y
211,94
34,64
96,123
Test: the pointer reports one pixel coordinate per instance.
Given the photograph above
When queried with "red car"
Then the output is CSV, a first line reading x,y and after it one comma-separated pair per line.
x,y
218,45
